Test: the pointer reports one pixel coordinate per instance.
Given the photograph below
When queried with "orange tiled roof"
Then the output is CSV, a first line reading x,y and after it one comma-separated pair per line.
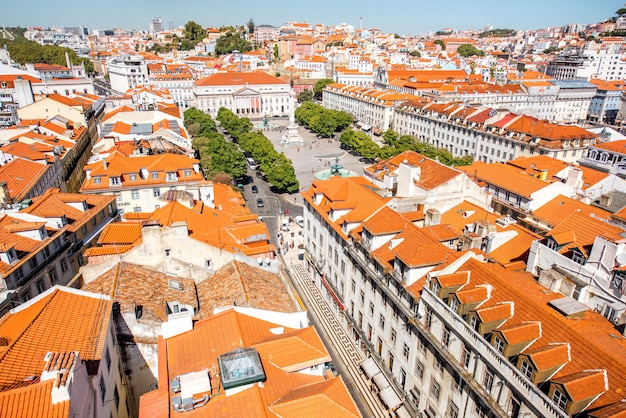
x,y
583,385
330,396
432,173
230,330
59,320
21,175
232,78
549,356
120,233
505,178
33,400
136,285
580,231
240,284
556,210
594,343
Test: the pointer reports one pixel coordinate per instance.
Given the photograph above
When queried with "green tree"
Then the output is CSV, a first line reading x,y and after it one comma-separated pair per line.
x,y
230,42
467,50
24,51
415,53
306,95
193,33
440,43
319,86
621,11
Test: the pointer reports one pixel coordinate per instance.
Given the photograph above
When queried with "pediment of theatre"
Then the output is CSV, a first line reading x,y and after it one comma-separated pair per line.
x,y
246,92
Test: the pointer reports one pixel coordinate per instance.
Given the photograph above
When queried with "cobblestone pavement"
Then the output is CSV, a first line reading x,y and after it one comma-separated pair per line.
x,y
337,336
318,154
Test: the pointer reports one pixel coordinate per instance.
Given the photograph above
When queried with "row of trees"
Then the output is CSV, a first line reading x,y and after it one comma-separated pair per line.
x,y
324,122
24,51
217,156
278,169
394,144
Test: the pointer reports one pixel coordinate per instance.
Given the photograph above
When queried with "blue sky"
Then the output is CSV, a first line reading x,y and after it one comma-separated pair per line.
x,y
399,16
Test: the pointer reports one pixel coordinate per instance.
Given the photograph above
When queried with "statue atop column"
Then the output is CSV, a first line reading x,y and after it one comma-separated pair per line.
x,y
292,137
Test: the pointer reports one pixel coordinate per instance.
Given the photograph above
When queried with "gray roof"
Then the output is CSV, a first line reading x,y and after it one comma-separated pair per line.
x,y
573,84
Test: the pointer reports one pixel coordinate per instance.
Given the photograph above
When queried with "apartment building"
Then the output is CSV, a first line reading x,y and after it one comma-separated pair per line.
x,y
370,107
43,243
196,236
604,61
418,181
68,115
607,100
139,182
127,71
177,79
515,193
60,358
125,124
607,157
22,179
488,134
61,141
582,257
456,336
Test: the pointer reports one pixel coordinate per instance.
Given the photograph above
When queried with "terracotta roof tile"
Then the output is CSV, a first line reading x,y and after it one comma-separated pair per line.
x,y
139,286
239,78
549,356
242,285
230,330
60,320
583,385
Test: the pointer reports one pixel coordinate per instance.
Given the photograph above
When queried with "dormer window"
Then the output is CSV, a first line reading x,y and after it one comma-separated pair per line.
x,y
577,257
551,244
96,180
187,172
133,177
498,344
171,176
115,181
527,369
154,175
560,399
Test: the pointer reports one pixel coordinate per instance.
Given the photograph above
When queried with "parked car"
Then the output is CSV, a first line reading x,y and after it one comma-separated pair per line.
x,y
254,189
259,203
300,221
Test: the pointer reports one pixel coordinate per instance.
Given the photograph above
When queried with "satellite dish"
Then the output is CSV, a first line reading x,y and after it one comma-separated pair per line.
x,y
267,261
621,259
260,261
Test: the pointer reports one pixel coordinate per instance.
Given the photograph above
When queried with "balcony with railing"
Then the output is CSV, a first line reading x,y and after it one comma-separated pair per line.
x,y
379,278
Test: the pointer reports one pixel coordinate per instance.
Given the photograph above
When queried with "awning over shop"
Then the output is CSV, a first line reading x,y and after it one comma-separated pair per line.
x,y
402,412
370,367
390,398
381,381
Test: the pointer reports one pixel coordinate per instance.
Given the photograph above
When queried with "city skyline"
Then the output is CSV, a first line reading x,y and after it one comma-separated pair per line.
x,y
456,14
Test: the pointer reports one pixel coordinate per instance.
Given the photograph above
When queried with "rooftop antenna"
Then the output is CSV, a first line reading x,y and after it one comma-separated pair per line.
x,y
361,19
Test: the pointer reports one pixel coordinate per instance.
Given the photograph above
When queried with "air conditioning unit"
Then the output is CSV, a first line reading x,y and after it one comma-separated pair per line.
x,y
175,385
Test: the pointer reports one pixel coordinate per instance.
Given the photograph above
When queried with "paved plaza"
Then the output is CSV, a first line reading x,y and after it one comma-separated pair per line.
x,y
315,155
